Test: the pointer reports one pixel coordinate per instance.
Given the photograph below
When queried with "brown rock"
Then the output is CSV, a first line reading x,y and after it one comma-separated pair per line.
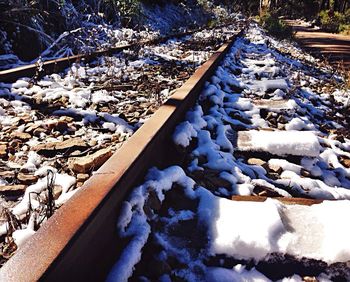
x,y
14,145
282,119
7,175
66,119
85,164
345,162
21,135
255,161
3,151
82,176
275,168
57,191
10,189
31,127
37,131
70,144
27,178
149,111
58,125
305,173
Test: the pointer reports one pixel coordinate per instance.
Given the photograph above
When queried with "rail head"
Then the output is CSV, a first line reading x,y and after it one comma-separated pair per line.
x,y
69,244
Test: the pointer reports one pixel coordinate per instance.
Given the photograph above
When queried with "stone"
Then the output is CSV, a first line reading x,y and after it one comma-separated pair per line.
x,y
255,161
70,144
7,175
93,161
10,189
58,125
31,127
305,173
282,119
275,168
345,162
66,119
39,131
21,135
3,151
27,179
82,176
57,191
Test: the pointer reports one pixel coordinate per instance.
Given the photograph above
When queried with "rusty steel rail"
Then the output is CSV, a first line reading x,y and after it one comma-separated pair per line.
x,y
79,242
56,65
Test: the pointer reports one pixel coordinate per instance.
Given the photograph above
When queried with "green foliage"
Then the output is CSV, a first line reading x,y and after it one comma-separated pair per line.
x,y
344,29
275,26
332,21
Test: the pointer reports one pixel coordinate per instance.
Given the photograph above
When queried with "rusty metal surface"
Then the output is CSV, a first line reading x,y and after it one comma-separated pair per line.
x,y
79,242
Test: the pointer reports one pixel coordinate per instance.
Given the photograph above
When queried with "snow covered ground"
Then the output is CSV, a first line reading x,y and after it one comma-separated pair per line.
x,y
267,123
57,131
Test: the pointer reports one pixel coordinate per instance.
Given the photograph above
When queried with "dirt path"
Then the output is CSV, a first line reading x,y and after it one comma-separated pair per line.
x,y
333,47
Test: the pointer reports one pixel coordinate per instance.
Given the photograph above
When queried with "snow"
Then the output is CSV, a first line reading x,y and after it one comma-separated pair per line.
x,y
237,274
272,227
31,195
258,104
133,222
183,134
281,143
266,85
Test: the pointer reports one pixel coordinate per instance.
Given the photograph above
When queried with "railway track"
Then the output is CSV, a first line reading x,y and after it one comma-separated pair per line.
x,y
41,69
89,218
70,123
79,242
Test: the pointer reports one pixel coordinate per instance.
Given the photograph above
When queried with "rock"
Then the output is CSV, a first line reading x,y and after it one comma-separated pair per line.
x,y
30,127
265,191
274,168
38,131
7,175
12,189
66,119
82,176
345,162
92,142
210,179
3,151
67,145
255,161
282,119
57,125
57,191
149,111
14,145
305,173
21,135
27,179
94,161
